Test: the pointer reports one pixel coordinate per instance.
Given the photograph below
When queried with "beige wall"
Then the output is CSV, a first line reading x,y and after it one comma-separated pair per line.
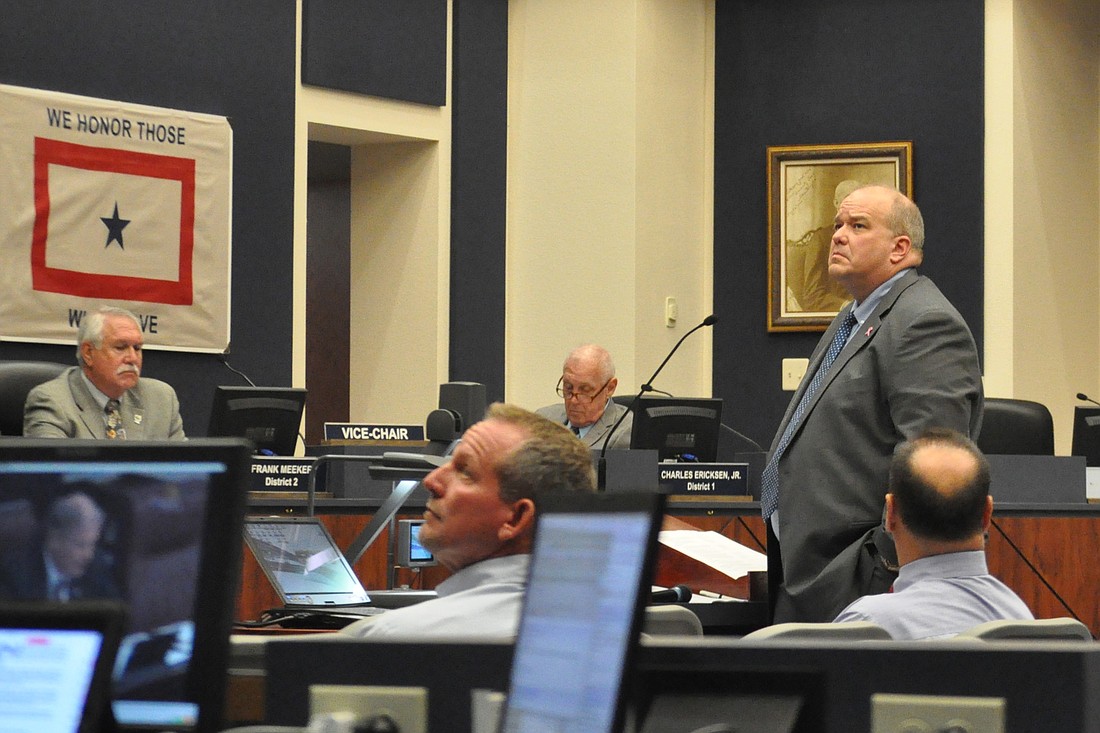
x,y
609,177
400,246
1043,203
610,210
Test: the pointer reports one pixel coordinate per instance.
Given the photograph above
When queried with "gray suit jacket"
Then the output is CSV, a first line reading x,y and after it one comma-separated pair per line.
x,y
64,408
912,365
595,437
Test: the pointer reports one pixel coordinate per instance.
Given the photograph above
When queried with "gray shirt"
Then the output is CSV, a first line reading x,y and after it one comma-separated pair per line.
x,y
939,596
480,602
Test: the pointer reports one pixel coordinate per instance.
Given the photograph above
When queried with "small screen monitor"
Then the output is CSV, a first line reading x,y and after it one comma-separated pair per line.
x,y
678,428
1086,434
268,416
410,553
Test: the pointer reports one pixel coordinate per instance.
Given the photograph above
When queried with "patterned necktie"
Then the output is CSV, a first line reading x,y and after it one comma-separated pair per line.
x,y
114,421
769,480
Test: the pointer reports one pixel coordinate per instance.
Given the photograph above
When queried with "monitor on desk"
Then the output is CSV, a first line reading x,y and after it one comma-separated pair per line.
x,y
678,428
588,583
1086,434
268,416
162,525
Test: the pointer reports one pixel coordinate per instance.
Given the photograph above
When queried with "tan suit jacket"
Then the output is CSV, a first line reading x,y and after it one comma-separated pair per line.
x,y
65,408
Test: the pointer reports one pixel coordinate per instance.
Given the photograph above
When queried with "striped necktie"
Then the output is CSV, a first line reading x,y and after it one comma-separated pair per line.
x,y
769,480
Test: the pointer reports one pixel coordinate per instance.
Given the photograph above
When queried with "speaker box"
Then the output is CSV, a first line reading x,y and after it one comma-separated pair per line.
x,y
465,398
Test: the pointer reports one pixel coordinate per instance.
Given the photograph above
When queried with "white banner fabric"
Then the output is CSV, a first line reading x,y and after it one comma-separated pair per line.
x,y
111,203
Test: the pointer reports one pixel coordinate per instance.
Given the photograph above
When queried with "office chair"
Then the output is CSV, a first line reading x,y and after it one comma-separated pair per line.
x,y
670,620
842,631
1048,629
17,378
1016,427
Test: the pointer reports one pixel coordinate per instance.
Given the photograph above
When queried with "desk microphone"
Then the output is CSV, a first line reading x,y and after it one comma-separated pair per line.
x,y
648,387
1086,398
225,360
676,594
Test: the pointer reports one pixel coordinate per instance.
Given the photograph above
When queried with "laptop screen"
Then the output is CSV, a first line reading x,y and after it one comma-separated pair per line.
x,y
302,561
154,525
588,581
55,665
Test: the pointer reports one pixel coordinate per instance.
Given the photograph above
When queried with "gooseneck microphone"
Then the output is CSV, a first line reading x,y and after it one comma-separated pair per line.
x,y
675,594
225,360
1086,398
647,386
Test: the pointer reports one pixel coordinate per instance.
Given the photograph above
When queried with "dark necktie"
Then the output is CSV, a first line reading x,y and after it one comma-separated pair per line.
x,y
769,480
576,431
114,420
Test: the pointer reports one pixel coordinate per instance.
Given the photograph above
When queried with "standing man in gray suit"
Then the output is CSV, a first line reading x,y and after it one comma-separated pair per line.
x,y
105,396
586,387
896,361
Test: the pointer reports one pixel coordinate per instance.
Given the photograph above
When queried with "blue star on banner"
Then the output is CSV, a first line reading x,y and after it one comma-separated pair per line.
x,y
114,226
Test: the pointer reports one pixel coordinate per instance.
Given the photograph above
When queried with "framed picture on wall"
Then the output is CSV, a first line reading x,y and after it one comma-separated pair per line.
x,y
806,184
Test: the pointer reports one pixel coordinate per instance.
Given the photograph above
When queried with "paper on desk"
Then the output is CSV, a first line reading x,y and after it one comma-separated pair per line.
x,y
710,548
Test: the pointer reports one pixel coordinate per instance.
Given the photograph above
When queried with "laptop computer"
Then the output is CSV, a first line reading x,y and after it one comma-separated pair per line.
x,y
55,665
311,576
588,584
167,545
303,563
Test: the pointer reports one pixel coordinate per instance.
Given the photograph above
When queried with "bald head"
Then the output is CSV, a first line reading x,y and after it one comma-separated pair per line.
x,y
939,483
591,358
587,383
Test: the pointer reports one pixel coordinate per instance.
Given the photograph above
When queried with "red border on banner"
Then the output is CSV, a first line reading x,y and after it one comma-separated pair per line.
x,y
49,152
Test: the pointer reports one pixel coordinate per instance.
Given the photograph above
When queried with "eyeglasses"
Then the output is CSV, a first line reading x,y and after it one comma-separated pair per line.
x,y
581,397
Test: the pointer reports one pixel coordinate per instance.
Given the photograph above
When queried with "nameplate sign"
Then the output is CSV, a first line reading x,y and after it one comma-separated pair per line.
x,y
372,431
277,473
704,480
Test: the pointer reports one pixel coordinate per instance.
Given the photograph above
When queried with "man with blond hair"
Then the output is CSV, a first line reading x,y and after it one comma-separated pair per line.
x,y
479,523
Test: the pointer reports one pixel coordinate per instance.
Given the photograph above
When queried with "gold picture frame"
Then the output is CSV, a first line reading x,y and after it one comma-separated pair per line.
x,y
803,183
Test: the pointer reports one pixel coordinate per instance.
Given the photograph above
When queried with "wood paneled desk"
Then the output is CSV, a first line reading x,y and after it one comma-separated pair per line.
x,y
1046,553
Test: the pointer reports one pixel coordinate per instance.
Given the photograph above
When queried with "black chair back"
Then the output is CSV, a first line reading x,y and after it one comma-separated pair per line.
x,y
1016,427
17,378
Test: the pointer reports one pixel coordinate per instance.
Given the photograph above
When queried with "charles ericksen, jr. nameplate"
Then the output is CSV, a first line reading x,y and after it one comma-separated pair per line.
x,y
704,480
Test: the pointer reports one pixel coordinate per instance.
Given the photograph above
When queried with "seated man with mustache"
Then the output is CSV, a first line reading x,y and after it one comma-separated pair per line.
x,y
105,397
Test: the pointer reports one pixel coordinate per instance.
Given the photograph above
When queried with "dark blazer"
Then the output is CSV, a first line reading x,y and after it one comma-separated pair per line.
x,y
64,408
912,365
596,435
23,577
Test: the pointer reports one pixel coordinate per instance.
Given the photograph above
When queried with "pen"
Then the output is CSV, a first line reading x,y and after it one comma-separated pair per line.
x,y
716,596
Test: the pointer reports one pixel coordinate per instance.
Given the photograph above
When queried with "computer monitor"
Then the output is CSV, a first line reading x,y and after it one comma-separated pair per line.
x,y
588,583
1086,434
268,416
678,428
155,525
410,553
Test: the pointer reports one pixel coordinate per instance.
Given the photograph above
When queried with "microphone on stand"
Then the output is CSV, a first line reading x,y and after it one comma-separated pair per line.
x,y
230,367
647,386
1086,398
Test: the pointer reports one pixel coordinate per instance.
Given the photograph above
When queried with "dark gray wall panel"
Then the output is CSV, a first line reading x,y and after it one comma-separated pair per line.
x,y
226,58
843,71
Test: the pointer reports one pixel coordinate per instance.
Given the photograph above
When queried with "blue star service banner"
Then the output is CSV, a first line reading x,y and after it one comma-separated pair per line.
x,y
111,203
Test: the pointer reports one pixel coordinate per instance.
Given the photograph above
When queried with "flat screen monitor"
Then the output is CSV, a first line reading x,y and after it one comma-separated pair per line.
x,y
588,582
1086,434
155,525
268,416
678,428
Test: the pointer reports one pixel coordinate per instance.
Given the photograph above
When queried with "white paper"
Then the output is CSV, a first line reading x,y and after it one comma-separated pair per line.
x,y
710,548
